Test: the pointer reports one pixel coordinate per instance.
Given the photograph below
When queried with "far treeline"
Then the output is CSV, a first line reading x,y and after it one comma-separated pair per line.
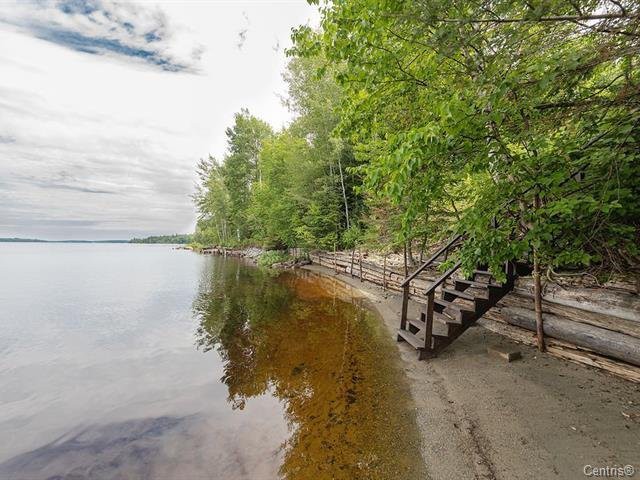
x,y
171,239
515,123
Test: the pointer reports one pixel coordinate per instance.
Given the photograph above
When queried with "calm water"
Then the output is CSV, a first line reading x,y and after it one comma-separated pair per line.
x,y
140,361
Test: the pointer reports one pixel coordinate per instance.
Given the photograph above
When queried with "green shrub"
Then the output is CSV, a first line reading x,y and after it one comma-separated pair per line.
x,y
195,246
272,256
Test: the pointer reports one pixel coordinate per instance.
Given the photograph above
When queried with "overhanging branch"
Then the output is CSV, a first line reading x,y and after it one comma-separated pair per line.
x,y
556,18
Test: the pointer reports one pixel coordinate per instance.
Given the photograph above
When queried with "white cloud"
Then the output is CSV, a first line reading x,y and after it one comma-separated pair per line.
x,y
104,27
104,145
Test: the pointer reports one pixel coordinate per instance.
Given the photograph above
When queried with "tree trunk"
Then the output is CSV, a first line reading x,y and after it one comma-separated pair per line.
x,y
537,298
422,247
406,266
344,193
410,261
537,289
218,232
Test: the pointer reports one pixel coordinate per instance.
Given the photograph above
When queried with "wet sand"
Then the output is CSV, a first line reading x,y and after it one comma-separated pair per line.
x,y
483,418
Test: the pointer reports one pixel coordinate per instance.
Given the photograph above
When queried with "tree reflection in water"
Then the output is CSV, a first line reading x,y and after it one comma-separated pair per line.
x,y
325,357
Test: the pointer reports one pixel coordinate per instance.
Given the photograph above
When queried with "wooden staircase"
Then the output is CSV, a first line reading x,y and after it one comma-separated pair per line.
x,y
453,304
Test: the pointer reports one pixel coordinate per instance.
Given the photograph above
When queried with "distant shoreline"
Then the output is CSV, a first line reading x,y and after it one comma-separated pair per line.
x,y
175,239
37,240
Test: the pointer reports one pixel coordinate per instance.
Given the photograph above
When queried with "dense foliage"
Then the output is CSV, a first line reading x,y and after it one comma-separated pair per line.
x,y
282,189
418,119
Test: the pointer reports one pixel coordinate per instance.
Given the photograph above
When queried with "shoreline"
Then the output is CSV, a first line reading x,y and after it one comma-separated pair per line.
x,y
480,417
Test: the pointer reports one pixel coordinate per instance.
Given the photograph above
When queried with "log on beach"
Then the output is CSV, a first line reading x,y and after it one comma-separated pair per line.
x,y
601,320
606,342
614,302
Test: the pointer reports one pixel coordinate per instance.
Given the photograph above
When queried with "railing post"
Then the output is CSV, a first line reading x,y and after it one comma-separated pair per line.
x,y
429,320
405,307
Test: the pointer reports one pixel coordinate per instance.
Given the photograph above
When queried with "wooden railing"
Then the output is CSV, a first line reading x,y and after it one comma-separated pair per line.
x,y
432,259
407,282
431,295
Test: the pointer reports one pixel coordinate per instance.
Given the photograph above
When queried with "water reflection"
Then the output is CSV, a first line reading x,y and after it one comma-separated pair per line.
x,y
345,400
102,381
101,451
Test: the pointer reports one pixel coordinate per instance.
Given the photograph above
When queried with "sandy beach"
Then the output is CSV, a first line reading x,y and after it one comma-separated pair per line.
x,y
484,418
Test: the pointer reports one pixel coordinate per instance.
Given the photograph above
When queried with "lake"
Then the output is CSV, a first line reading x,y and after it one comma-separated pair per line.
x,y
146,362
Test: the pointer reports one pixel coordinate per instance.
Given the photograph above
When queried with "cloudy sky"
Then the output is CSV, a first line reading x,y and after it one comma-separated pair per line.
x,y
105,107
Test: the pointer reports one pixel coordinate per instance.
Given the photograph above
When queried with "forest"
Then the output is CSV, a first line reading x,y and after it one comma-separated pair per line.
x,y
167,239
515,124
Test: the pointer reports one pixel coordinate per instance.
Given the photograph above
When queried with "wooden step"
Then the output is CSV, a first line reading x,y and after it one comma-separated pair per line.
x,y
474,284
463,302
462,313
419,324
440,326
448,304
444,317
410,338
437,341
458,293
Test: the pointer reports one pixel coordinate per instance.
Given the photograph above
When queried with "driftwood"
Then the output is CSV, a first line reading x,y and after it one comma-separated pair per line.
x,y
594,326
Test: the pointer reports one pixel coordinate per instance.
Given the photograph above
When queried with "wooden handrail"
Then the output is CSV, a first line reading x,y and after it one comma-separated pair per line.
x,y
442,278
408,280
